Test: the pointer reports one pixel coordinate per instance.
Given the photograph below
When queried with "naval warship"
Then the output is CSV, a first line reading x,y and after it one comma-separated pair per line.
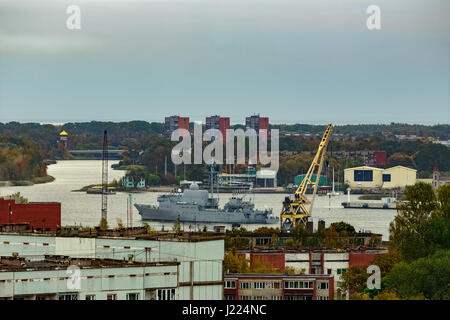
x,y
195,205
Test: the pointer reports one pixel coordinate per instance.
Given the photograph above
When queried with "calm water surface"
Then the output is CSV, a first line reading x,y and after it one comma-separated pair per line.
x,y
81,208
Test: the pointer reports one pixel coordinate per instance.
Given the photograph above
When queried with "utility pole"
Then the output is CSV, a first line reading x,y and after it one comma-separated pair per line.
x,y
105,177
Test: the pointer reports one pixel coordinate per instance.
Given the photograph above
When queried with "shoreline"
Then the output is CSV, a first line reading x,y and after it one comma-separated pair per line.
x,y
28,182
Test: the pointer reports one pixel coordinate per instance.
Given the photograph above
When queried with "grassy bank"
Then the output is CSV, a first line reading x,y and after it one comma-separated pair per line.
x,y
35,180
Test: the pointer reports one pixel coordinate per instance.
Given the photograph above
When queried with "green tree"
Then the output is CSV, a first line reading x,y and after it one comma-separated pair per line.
x,y
422,224
103,224
343,228
429,276
176,226
234,263
354,280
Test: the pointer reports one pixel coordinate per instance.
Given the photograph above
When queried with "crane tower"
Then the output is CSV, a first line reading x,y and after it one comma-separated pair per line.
x,y
296,211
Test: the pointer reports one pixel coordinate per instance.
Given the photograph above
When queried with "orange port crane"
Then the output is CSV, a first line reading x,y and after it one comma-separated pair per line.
x,y
296,211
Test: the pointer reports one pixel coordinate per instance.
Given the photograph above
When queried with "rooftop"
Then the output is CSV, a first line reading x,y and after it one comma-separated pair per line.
x,y
57,262
276,275
136,233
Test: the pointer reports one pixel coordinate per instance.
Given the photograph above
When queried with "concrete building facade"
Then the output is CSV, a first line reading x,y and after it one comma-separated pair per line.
x,y
278,287
93,279
200,269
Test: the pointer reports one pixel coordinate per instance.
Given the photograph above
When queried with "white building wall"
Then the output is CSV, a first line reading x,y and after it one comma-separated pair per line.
x,y
298,261
207,255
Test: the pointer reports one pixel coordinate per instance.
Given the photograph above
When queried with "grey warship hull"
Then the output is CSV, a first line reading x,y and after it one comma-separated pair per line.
x,y
196,205
187,214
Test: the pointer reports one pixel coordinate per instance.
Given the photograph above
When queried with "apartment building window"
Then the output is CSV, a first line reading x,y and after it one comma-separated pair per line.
x,y
259,298
244,285
230,284
259,285
111,297
276,285
276,297
229,297
321,298
298,284
341,271
245,297
322,285
68,296
90,297
133,296
329,271
165,294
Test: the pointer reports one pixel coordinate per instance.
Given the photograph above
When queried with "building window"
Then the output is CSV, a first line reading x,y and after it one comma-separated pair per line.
x,y
245,297
321,298
363,175
230,284
322,285
340,271
259,298
329,271
259,285
166,294
90,297
298,284
276,285
111,297
276,297
68,296
133,296
229,297
244,285
386,178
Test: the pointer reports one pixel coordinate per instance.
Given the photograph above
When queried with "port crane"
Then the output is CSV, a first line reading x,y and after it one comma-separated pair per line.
x,y
296,211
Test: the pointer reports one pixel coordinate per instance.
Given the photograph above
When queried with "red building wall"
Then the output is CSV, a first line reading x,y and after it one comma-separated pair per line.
x,y
264,124
38,215
183,123
275,259
360,259
224,124
380,158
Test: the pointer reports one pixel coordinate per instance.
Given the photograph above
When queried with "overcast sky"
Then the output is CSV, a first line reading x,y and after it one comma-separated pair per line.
x,y
294,61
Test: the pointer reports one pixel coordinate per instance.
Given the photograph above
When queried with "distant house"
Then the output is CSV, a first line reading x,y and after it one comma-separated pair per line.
x,y
130,182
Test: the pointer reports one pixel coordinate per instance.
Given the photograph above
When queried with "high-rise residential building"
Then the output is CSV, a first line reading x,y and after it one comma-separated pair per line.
x,y
175,122
218,122
256,122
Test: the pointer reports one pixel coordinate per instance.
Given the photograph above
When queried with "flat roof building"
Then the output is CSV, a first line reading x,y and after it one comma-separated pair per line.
x,y
64,278
278,287
194,254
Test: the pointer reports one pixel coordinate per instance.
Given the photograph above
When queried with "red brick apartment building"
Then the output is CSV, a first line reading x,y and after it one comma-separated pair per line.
x,y
278,287
175,122
316,263
39,215
220,123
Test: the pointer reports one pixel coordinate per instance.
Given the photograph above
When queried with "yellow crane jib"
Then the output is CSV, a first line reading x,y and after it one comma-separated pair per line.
x,y
296,211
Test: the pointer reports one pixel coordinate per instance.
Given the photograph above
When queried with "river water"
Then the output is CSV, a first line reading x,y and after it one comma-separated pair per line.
x,y
85,209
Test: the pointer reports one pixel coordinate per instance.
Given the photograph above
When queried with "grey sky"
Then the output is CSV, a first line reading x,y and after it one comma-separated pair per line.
x,y
294,61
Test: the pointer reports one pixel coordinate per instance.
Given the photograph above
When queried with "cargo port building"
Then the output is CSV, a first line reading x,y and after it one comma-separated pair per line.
x,y
372,178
